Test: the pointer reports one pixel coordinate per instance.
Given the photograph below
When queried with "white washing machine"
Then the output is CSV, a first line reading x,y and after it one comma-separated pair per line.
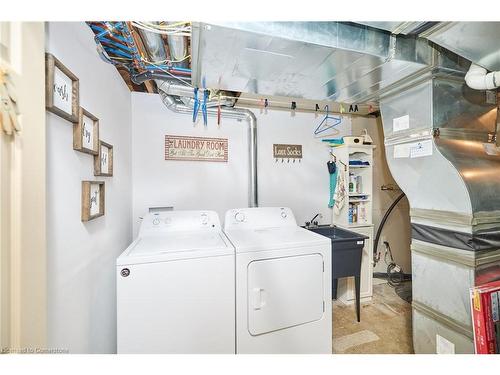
x,y
175,286
283,283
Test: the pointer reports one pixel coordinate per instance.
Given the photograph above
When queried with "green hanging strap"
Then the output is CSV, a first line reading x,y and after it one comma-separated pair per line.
x,y
332,170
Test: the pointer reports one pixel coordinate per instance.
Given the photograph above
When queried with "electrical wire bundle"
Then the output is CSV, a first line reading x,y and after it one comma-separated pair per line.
x,y
175,28
116,46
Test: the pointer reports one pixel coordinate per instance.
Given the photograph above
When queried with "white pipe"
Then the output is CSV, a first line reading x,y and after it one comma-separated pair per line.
x,y
479,79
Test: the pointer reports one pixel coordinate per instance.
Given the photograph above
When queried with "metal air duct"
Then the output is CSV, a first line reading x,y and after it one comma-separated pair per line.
x,y
178,47
476,41
438,139
335,61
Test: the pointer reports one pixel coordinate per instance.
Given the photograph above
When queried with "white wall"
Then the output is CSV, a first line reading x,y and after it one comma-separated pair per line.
x,y
220,186
81,256
397,229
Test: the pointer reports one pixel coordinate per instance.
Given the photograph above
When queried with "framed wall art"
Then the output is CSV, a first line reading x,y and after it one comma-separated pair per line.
x,y
93,197
86,133
178,147
103,161
61,89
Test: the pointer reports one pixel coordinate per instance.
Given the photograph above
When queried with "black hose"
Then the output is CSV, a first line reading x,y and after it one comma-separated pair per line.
x,y
394,278
382,223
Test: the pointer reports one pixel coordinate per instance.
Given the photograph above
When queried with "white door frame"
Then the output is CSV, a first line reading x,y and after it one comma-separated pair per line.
x,y
23,289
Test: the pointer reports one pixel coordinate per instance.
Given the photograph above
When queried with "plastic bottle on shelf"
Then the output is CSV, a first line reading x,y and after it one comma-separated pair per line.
x,y
362,213
351,182
358,184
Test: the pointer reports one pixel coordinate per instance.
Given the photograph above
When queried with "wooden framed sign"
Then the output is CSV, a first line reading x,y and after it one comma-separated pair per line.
x,y
86,133
282,151
61,89
93,197
196,148
103,161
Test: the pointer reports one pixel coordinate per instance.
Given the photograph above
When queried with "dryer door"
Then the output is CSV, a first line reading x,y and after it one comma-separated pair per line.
x,y
284,292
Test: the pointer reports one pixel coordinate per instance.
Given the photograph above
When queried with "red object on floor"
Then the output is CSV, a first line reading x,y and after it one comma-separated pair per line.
x,y
485,307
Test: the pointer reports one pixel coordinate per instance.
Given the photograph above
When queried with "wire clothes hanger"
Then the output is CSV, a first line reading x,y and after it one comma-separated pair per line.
x,y
323,125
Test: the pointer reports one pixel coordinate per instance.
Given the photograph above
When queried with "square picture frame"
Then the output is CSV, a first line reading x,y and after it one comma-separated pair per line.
x,y
62,95
93,200
103,161
86,133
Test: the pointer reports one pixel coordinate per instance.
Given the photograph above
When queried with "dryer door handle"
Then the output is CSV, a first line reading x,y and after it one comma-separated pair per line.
x,y
258,298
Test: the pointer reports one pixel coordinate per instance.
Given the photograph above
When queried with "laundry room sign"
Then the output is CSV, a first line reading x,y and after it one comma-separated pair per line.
x,y
196,148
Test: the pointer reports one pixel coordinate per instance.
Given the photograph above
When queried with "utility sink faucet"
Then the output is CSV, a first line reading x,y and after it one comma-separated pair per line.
x,y
312,222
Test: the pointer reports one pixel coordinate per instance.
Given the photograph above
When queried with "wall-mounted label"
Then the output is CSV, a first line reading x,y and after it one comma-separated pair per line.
x,y
401,123
419,149
413,150
444,346
196,148
281,151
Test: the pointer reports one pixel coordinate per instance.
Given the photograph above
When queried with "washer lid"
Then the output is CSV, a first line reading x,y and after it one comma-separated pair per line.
x,y
176,246
274,238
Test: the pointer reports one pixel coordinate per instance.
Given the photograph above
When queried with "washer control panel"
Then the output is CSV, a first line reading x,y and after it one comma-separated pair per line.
x,y
172,221
259,217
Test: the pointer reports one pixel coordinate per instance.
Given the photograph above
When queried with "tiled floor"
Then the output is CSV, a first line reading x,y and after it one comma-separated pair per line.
x,y
385,325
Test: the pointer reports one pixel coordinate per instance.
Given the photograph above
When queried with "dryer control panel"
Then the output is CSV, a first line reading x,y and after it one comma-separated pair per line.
x,y
176,221
259,217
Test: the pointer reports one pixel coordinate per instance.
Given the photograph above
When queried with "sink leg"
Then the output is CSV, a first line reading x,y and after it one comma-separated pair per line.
x,y
358,297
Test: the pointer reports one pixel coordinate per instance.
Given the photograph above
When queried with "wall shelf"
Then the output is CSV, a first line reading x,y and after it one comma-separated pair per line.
x,y
363,223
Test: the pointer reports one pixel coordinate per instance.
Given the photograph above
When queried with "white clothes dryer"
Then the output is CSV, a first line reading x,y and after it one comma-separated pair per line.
x,y
283,283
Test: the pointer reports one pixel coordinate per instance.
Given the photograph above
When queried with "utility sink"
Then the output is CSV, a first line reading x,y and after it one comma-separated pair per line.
x,y
337,234
347,251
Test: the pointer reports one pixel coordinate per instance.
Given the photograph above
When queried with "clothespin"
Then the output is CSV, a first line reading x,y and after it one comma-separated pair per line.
x,y
212,94
204,108
266,104
218,112
317,107
341,108
196,105
294,106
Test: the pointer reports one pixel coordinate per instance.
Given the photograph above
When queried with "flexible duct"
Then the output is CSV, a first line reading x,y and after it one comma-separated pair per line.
x,y
154,45
479,79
